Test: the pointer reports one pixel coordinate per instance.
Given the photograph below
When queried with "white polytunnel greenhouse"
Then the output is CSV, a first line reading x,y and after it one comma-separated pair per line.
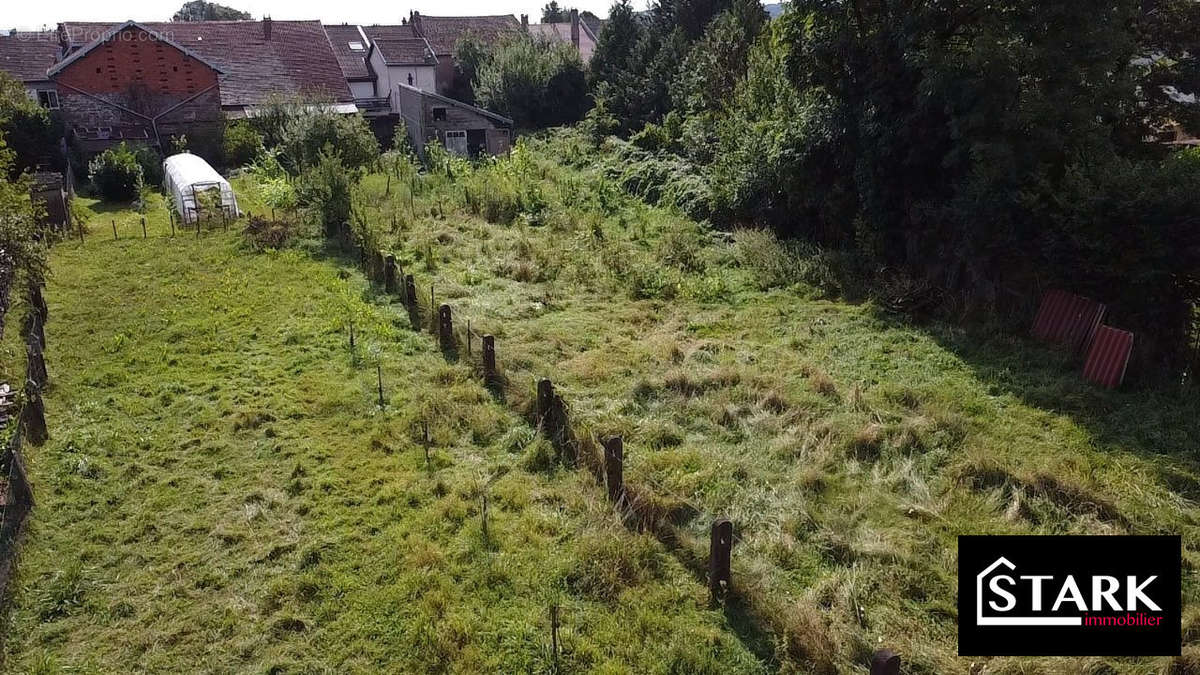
x,y
197,189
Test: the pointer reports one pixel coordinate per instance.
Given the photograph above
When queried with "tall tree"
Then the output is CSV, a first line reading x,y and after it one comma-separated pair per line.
x,y
552,13
200,10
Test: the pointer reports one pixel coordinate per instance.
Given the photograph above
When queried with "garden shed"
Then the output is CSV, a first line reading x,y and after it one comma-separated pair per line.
x,y
197,189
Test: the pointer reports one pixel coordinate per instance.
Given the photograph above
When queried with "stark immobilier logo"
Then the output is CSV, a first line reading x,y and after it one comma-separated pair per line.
x,y
1069,596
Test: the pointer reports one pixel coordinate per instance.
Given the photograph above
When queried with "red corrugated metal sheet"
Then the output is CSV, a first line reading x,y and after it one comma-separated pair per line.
x,y
1068,319
1108,357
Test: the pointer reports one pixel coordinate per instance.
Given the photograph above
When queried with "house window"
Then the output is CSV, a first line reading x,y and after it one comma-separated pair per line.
x,y
357,47
48,99
439,114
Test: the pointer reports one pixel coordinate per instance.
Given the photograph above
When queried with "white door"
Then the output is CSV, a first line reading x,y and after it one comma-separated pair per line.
x,y
456,142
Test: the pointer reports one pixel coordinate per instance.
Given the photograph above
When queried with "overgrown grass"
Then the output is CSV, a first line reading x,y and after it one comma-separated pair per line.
x,y
850,448
223,493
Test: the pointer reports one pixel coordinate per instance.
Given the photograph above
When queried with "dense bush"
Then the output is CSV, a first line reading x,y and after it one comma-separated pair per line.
x,y
324,192
536,83
241,145
312,133
151,164
116,174
32,133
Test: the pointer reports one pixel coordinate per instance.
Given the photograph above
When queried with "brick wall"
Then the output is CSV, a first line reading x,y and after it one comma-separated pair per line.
x,y
135,59
134,77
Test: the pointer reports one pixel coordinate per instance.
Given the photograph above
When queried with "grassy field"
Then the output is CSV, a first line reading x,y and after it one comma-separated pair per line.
x,y
222,492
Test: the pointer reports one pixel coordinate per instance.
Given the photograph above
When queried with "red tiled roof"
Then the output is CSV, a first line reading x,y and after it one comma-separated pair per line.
x,y
444,32
298,59
27,56
402,32
410,52
353,63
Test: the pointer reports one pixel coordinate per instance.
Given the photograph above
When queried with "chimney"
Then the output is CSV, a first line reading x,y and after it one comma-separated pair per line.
x,y
525,22
575,28
266,22
414,19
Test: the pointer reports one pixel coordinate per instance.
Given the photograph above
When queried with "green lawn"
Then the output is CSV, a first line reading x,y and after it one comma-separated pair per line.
x,y
222,492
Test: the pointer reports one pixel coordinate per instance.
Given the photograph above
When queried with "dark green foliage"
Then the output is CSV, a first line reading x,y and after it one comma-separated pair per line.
x,y
31,132
552,13
242,144
312,133
200,10
151,164
116,174
536,83
323,191
469,55
981,151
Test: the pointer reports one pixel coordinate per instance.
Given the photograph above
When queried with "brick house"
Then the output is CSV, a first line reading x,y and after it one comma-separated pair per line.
x,y
257,60
133,83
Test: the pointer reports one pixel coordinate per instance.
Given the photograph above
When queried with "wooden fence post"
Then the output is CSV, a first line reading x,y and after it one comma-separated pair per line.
x,y
445,327
468,337
171,215
379,372
554,635
35,369
352,335
545,403
114,226
489,359
885,662
720,545
33,415
410,292
143,227
379,269
389,274
614,467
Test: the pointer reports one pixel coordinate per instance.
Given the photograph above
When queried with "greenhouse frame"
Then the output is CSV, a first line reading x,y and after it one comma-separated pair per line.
x,y
187,178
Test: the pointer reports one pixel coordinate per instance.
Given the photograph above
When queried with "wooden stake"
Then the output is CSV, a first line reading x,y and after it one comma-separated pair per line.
x,y
410,292
114,224
614,467
425,439
483,515
389,274
554,634
352,335
885,662
143,227
468,337
379,372
489,359
720,546
445,327
171,215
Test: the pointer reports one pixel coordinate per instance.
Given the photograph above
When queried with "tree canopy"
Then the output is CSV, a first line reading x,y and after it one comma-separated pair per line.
x,y
201,10
983,148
